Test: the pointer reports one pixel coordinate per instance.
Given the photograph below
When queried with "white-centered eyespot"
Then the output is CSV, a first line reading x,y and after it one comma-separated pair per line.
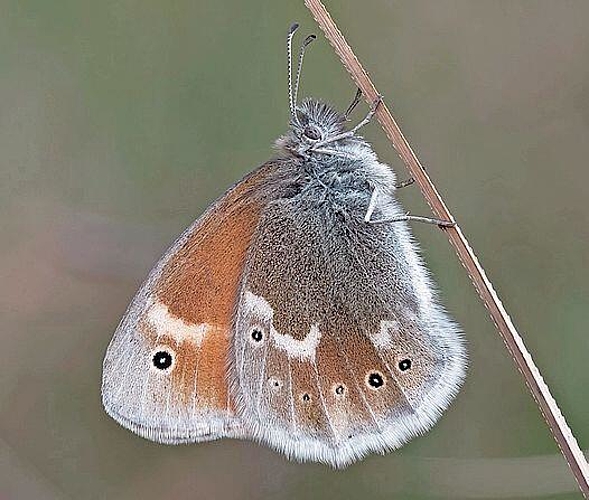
x,y
256,334
405,364
163,359
340,390
375,380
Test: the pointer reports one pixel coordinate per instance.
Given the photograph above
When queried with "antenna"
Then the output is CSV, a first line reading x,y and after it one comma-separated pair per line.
x,y
304,45
291,103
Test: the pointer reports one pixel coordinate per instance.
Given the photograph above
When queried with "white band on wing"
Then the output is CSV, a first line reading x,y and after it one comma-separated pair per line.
x,y
258,307
165,323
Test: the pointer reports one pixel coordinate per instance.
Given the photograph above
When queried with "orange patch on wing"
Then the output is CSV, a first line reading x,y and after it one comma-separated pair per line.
x,y
199,285
211,379
184,375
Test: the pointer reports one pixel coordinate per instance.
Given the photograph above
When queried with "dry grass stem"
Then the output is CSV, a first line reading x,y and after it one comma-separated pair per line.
x,y
523,360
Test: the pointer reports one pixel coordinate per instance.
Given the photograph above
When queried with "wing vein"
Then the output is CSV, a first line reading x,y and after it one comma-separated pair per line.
x,y
322,400
360,391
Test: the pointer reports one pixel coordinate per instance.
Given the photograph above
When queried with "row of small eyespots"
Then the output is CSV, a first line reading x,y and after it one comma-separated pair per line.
x,y
373,380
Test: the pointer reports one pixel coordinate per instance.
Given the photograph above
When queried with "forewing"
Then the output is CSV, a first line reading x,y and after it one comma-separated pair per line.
x,y
165,370
340,349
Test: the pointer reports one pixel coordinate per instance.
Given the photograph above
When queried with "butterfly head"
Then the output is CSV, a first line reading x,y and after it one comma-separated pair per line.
x,y
313,124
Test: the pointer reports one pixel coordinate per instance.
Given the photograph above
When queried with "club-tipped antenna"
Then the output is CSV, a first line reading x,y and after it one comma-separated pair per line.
x,y
291,102
304,45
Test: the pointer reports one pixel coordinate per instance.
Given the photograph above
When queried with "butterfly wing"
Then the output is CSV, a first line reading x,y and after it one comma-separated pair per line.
x,y
165,370
340,349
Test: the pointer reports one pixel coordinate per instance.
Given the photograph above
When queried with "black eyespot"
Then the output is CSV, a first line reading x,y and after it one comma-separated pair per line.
x,y
375,380
306,398
340,389
275,383
162,360
312,132
257,335
404,364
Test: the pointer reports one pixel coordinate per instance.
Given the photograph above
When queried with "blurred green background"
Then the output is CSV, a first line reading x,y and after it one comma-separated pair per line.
x,y
121,120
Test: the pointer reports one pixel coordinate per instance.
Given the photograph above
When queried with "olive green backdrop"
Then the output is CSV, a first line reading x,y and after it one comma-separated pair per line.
x,y
121,120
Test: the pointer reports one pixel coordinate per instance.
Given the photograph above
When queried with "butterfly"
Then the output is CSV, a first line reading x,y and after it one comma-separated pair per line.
x,y
296,311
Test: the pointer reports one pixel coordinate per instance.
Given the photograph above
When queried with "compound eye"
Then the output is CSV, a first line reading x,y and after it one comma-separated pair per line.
x,y
312,132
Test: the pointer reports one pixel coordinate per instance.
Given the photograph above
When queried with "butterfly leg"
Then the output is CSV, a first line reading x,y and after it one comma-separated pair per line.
x,y
371,206
415,218
351,132
353,104
368,116
406,217
405,183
